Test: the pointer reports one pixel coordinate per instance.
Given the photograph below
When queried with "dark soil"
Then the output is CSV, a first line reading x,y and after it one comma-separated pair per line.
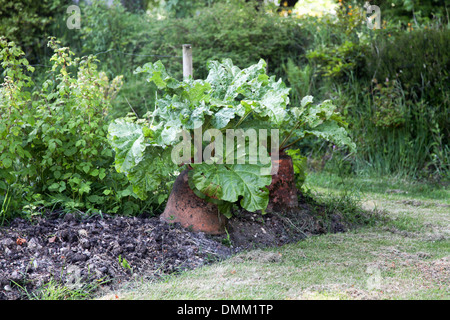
x,y
113,249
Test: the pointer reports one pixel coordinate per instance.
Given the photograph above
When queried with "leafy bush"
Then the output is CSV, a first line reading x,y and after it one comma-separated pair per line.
x,y
391,83
408,99
117,37
28,23
418,59
229,100
340,61
227,30
53,143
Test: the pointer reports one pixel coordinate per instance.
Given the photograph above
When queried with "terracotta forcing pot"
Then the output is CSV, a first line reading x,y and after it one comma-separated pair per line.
x,y
185,207
282,190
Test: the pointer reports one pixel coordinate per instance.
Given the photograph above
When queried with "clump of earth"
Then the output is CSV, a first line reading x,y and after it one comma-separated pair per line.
x,y
109,250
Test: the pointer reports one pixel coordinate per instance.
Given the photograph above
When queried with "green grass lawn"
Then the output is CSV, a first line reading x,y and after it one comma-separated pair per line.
x,y
405,257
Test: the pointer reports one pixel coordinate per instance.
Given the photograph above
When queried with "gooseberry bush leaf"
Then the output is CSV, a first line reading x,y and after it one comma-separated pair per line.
x,y
54,150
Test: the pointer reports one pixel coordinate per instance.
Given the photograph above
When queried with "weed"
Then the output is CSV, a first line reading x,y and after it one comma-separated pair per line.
x,y
124,263
4,215
227,241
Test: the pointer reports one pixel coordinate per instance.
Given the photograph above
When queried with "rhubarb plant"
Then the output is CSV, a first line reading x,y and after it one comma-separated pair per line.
x,y
190,119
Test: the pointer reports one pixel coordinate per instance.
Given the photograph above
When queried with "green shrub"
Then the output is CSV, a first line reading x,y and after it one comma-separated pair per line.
x,y
53,140
393,86
229,100
418,59
233,30
409,101
117,37
28,23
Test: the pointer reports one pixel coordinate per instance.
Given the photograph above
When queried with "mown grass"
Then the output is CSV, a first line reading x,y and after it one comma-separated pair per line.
x,y
406,256
396,187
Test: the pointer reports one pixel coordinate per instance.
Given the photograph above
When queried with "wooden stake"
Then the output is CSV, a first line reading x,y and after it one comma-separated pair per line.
x,y
187,60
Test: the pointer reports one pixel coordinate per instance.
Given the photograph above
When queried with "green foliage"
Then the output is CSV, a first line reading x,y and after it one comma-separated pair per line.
x,y
322,121
55,289
229,98
53,141
339,61
422,11
28,23
124,263
117,36
231,29
387,102
300,166
147,169
4,210
182,9
391,84
409,105
418,59
300,79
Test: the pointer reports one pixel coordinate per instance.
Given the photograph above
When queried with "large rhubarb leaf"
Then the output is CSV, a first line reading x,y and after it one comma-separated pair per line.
x,y
319,120
158,75
127,139
332,132
149,174
145,167
233,182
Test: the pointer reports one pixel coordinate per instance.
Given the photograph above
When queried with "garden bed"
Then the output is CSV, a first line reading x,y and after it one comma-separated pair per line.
x,y
112,249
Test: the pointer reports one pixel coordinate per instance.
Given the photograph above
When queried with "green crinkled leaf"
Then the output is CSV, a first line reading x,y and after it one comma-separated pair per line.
x,y
231,182
127,140
317,114
196,117
145,167
306,100
270,101
196,91
319,120
228,81
332,132
222,117
151,172
299,163
220,77
170,133
158,75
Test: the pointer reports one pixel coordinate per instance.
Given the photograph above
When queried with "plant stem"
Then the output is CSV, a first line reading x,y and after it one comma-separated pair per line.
x,y
242,119
290,144
289,135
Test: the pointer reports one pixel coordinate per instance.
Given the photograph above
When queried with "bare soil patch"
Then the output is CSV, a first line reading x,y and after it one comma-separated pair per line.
x,y
114,249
